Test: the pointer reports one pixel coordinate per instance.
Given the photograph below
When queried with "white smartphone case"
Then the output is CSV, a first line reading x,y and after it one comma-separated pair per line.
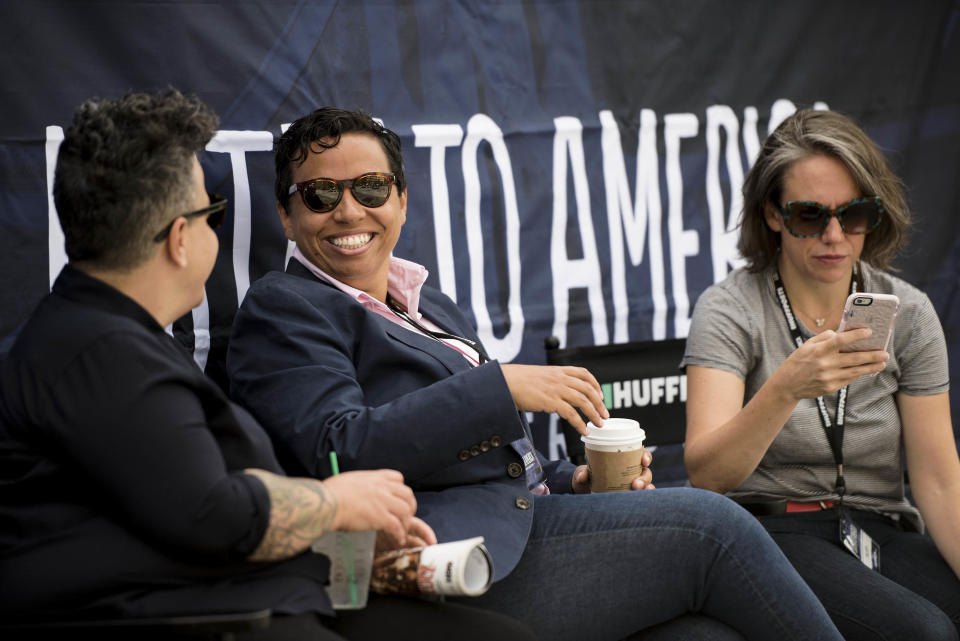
x,y
876,311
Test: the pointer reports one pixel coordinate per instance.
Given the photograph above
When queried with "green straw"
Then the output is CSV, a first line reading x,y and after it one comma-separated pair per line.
x,y
347,545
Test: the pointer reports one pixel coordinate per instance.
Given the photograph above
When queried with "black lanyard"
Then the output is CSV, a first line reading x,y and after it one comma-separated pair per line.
x,y
475,346
834,431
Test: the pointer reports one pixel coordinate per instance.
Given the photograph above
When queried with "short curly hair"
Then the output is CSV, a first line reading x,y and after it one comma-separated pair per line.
x,y
828,133
124,171
321,130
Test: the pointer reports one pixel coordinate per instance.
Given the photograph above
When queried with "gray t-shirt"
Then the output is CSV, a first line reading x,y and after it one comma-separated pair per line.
x,y
738,327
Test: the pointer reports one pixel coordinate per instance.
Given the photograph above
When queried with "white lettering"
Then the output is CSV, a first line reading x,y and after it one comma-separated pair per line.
x,y
641,392
621,395
683,242
201,333
482,128
751,140
290,244
438,138
636,217
237,143
673,388
56,251
723,228
632,216
780,111
570,273
657,384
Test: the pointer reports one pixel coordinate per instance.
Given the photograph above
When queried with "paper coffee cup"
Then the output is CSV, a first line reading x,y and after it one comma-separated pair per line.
x,y
456,568
614,454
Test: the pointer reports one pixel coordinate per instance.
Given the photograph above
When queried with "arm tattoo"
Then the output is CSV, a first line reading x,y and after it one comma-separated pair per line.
x,y
301,511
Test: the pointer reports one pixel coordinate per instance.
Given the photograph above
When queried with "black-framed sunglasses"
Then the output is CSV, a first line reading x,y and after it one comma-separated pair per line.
x,y
808,219
324,194
214,212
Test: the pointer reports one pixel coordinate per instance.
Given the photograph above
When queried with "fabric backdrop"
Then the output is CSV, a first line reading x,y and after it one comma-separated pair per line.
x,y
574,167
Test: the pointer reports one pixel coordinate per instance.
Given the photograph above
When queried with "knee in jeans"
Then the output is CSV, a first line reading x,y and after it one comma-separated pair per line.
x,y
727,515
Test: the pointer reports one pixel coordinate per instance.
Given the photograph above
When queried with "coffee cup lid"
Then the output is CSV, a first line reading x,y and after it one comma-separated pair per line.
x,y
615,431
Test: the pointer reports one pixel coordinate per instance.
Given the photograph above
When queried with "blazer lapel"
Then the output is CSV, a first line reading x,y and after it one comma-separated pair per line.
x,y
452,360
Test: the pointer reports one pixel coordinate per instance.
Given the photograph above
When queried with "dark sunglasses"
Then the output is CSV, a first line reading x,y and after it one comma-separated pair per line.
x,y
324,194
214,212
808,219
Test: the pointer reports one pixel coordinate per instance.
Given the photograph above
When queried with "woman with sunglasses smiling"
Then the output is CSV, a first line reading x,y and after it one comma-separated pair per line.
x,y
350,350
812,439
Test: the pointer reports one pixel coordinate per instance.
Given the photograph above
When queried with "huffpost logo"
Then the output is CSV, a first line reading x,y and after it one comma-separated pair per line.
x,y
641,392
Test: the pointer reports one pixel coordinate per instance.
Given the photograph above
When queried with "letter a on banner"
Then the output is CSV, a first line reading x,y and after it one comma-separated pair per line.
x,y
629,220
580,272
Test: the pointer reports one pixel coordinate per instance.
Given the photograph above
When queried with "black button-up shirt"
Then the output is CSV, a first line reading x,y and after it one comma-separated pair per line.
x,y
121,473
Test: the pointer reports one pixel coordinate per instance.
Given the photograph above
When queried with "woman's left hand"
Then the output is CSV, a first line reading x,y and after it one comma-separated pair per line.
x,y
418,534
581,477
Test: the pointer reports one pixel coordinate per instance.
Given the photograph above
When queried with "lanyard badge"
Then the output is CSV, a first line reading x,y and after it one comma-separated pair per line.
x,y
858,543
852,536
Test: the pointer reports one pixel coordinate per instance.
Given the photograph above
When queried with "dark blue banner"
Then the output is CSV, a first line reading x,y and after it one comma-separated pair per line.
x,y
574,167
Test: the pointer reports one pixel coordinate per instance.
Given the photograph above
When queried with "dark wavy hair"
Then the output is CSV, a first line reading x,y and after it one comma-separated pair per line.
x,y
321,130
808,133
124,171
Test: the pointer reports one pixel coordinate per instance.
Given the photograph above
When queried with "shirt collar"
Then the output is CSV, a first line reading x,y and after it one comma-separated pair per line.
x,y
405,279
76,285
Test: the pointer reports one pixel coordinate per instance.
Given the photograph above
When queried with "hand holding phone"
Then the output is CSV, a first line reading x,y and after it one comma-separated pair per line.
x,y
876,311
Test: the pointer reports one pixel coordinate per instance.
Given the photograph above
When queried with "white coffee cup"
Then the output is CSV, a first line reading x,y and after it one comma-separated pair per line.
x,y
614,454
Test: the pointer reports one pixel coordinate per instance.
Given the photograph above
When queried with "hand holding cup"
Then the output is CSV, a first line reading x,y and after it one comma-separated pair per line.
x,y
616,458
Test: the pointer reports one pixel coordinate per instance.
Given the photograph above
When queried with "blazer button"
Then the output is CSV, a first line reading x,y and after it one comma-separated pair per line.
x,y
514,470
475,450
463,455
484,446
522,502
495,441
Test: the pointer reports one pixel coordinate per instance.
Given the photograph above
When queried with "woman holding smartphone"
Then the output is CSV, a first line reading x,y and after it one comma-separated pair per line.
x,y
781,417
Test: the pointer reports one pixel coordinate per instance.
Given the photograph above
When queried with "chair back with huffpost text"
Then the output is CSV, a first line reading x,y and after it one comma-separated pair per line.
x,y
641,380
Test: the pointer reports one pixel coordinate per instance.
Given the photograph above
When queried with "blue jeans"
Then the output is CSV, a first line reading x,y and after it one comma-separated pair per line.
x,y
915,595
605,566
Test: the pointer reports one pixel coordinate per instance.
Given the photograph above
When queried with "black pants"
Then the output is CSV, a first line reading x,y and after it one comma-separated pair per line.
x,y
914,596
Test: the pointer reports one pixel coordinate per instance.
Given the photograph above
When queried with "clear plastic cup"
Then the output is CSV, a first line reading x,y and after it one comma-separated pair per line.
x,y
351,558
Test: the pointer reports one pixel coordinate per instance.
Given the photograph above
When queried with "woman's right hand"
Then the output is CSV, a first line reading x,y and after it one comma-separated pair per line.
x,y
818,366
304,509
373,500
559,389
726,439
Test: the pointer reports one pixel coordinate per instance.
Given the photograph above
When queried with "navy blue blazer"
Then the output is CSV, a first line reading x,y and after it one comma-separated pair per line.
x,y
321,374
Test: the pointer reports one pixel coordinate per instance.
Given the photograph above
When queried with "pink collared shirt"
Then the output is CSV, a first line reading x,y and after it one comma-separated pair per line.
x,y
405,279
